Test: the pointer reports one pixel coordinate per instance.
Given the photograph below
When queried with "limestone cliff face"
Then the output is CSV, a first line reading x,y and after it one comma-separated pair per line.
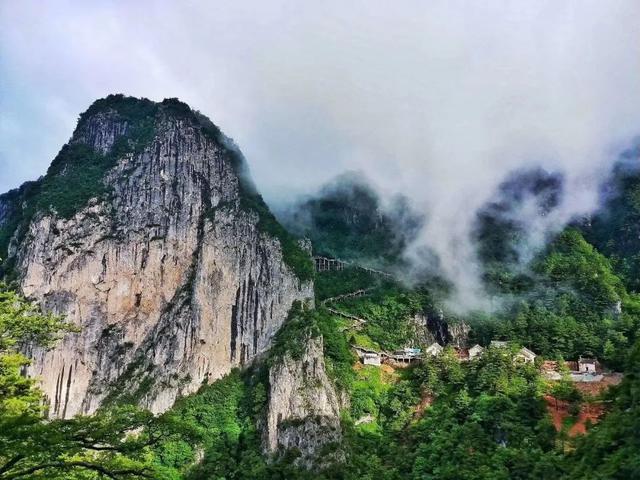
x,y
171,280
304,409
7,206
432,326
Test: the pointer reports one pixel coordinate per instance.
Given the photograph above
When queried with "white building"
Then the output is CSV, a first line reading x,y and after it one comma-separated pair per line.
x,y
475,351
434,349
587,365
526,355
369,358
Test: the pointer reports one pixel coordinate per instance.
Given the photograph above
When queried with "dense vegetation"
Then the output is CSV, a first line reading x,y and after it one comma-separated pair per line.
x,y
443,419
612,447
334,283
573,304
82,448
574,297
482,420
387,312
485,419
220,423
347,220
615,230
440,419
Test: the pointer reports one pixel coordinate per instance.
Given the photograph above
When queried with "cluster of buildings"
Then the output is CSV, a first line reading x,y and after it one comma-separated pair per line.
x,y
400,358
408,355
585,369
524,354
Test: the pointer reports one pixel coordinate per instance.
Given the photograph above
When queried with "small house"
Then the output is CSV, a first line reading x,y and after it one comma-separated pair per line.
x,y
475,351
434,349
405,356
526,355
587,365
369,358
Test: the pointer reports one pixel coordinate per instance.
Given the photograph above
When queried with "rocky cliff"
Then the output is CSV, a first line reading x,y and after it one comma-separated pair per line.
x,y
432,326
304,410
147,234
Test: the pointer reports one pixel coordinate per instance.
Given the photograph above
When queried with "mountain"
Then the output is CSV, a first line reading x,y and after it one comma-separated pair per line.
x,y
190,299
615,228
147,234
347,219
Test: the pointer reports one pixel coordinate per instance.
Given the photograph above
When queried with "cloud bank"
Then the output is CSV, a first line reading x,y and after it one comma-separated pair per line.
x,y
438,100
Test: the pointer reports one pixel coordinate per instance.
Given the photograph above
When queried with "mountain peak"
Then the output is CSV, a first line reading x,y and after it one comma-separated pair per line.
x,y
117,115
147,233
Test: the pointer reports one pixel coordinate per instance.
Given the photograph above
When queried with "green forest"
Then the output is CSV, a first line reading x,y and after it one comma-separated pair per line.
x,y
438,419
446,417
322,240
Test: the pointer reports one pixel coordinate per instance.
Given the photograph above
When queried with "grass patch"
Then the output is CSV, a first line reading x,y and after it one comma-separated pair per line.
x,y
339,358
362,340
368,391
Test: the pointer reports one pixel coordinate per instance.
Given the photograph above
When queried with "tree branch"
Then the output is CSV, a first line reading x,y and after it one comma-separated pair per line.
x,y
114,475
10,463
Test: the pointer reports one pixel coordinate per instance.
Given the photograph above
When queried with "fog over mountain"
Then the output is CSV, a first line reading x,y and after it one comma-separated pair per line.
x,y
441,101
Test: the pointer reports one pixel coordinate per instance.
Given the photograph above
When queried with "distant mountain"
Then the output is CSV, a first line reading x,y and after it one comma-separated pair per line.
x,y
347,219
615,228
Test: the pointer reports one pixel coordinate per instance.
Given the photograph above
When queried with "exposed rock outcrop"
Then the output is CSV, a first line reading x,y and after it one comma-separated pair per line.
x,y
7,206
171,277
304,409
432,326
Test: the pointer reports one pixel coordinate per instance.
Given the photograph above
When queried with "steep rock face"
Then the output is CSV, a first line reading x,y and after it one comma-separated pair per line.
x,y
101,131
432,326
304,409
7,207
171,281
9,210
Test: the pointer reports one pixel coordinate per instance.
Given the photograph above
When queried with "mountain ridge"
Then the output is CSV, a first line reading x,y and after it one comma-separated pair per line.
x,y
148,234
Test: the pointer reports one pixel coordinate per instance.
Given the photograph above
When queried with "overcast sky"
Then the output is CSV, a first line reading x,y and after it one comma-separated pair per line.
x,y
436,99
